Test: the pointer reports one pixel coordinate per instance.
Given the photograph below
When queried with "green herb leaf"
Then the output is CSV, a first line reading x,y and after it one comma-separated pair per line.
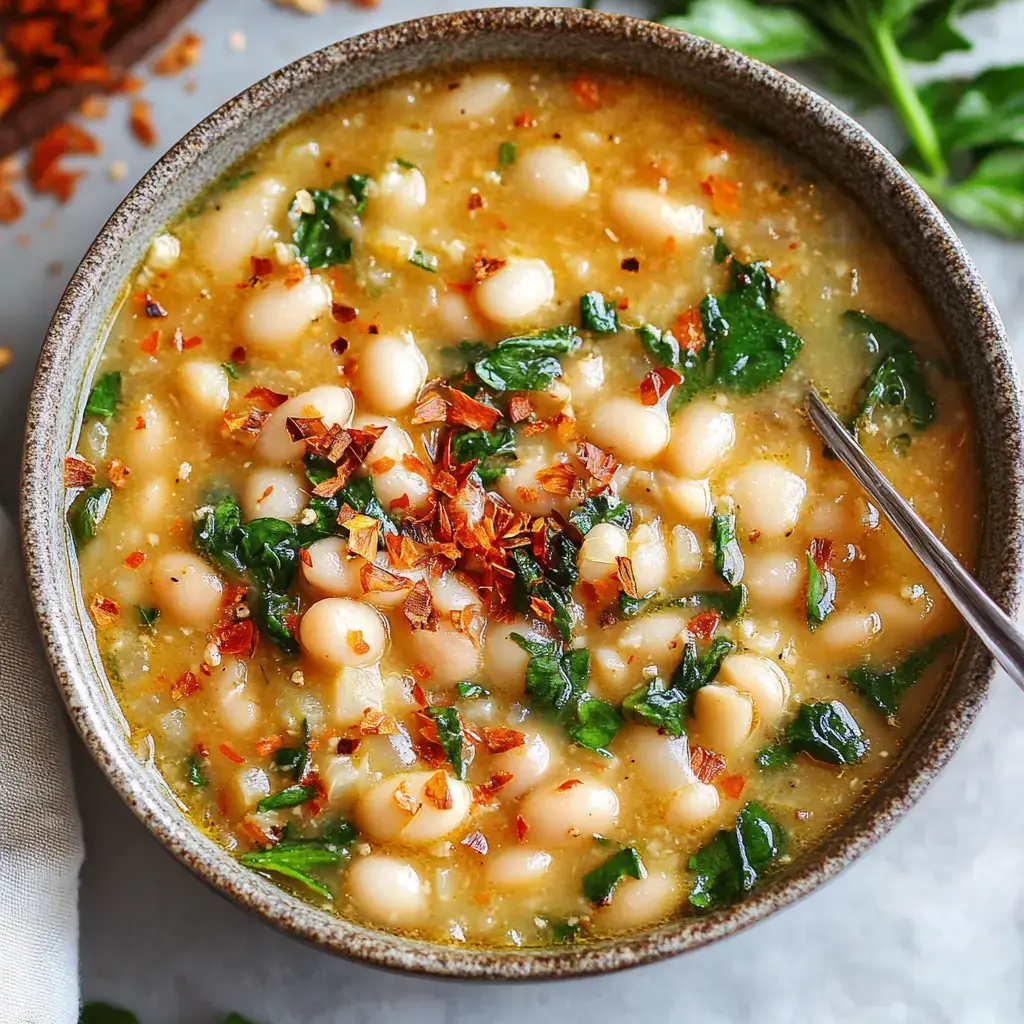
x,y
105,1013
728,557
291,796
506,155
196,776
424,260
407,164
147,616
598,315
732,863
992,196
561,933
827,732
980,112
730,604
601,508
318,236
86,513
599,885
527,362
231,370
492,451
451,736
295,859
598,723
821,585
774,757
531,581
105,395
470,691
274,612
359,190
884,688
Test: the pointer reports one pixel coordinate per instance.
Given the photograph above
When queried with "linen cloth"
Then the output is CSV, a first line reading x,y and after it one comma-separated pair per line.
x,y
40,832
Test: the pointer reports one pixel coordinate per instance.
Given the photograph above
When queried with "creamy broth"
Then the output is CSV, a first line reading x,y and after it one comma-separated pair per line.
x,y
375,738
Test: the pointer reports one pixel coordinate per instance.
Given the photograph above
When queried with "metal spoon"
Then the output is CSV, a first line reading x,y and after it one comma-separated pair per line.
x,y
983,615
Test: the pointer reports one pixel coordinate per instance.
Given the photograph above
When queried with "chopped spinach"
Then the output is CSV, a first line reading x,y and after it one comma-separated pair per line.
x,y
424,260
728,557
105,395
506,155
290,796
358,493
598,315
731,864
471,691
147,616
492,450
359,190
824,730
196,776
407,164
295,858
318,236
730,604
884,688
562,933
599,885
556,680
87,512
450,735
231,369
821,591
774,757
601,508
533,582
661,346
274,612
526,362
296,760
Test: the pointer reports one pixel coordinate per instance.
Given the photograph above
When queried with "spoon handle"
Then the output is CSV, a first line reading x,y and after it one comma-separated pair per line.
x,y
983,615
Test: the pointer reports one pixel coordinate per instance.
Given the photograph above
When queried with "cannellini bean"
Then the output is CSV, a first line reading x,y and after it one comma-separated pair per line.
x,y
331,403
517,867
846,631
649,558
569,815
341,779
773,578
504,660
338,632
517,293
249,786
239,713
692,804
391,479
689,499
529,763
686,556
639,902
356,690
611,673
449,593
151,435
391,372
330,570
203,386
270,492
631,431
768,498
702,435
403,192
654,640
386,755
553,175
584,376
600,548
476,97
660,762
276,316
381,817
387,890
653,219
185,589
240,226
762,679
520,488
150,501
457,317
450,655
724,715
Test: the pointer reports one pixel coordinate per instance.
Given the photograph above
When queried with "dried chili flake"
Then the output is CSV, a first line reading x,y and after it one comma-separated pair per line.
x,y
476,841
439,792
185,685
78,472
181,54
343,314
421,671
658,383
688,329
261,266
150,342
706,764
376,723
231,755
587,91
376,580
569,784
520,407
485,266
246,425
498,740
418,607
732,785
265,397
631,265
140,120
270,744
597,462
347,745
295,274
118,473
404,552
356,642
724,195
339,346
406,799
626,576
134,559
238,355
232,637
557,479
468,412
521,828
363,532
433,409
703,625
483,792
821,553
105,612
475,201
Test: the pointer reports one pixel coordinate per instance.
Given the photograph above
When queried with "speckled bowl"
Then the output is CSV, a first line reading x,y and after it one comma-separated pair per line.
x,y
766,99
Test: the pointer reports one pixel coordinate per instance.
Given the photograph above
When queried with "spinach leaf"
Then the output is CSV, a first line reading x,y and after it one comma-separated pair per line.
x,y
290,796
601,508
492,450
599,885
556,680
318,236
147,616
86,513
196,776
358,493
274,612
561,933
774,757
598,315
359,190
105,396
451,736
821,587
296,858
827,732
661,346
424,260
231,369
506,155
884,688
105,1013
731,864
728,557
470,691
730,604
527,362
531,582
296,760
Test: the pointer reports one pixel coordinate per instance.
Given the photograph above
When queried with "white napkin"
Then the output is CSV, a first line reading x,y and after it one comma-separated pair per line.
x,y
40,834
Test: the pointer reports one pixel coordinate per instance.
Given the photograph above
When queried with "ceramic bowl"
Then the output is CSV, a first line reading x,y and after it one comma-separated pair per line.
x,y
769,102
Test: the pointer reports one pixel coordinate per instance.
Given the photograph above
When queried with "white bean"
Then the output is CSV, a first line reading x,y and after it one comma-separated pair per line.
x,y
517,867
271,492
403,192
238,712
631,431
724,715
150,501
760,678
649,558
330,402
391,483
529,763
774,578
685,551
520,488
654,640
150,435
689,499
391,372
356,690
768,498
560,815
584,376
639,902
274,317
449,593
605,543
203,385
475,97
653,219
382,818
451,656
338,632
692,805
330,570
457,317
517,293
846,631
504,660
660,762
552,175
387,890
249,786
240,226
702,435
185,589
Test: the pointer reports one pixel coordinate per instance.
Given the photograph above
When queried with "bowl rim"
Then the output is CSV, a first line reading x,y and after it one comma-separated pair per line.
x,y
98,725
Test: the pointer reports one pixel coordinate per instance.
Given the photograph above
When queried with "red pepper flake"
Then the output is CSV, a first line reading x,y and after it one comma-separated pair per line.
x,y
377,580
485,267
527,119
296,273
598,463
418,607
181,54
476,841
343,314
265,397
270,744
406,799
732,785
421,672
233,637
78,472
348,745
339,346
475,201
45,173
431,410
521,828
627,578
568,784
658,383
468,412
261,266
703,625
542,609
185,685
631,265
706,764
520,407
688,329
498,740
134,560
306,558
231,755
150,342
363,532
483,792
587,91
402,501
104,611
356,642
376,723
439,792
724,195
140,423
140,121
821,553
238,355
557,479
118,473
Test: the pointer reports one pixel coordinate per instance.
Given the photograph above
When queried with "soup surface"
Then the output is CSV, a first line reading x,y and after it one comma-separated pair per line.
x,y
455,541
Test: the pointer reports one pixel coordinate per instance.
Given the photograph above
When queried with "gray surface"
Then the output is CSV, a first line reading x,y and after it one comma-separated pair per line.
x,y
928,927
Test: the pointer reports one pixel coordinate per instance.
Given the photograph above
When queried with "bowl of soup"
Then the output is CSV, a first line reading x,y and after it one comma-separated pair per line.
x,y
422,518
